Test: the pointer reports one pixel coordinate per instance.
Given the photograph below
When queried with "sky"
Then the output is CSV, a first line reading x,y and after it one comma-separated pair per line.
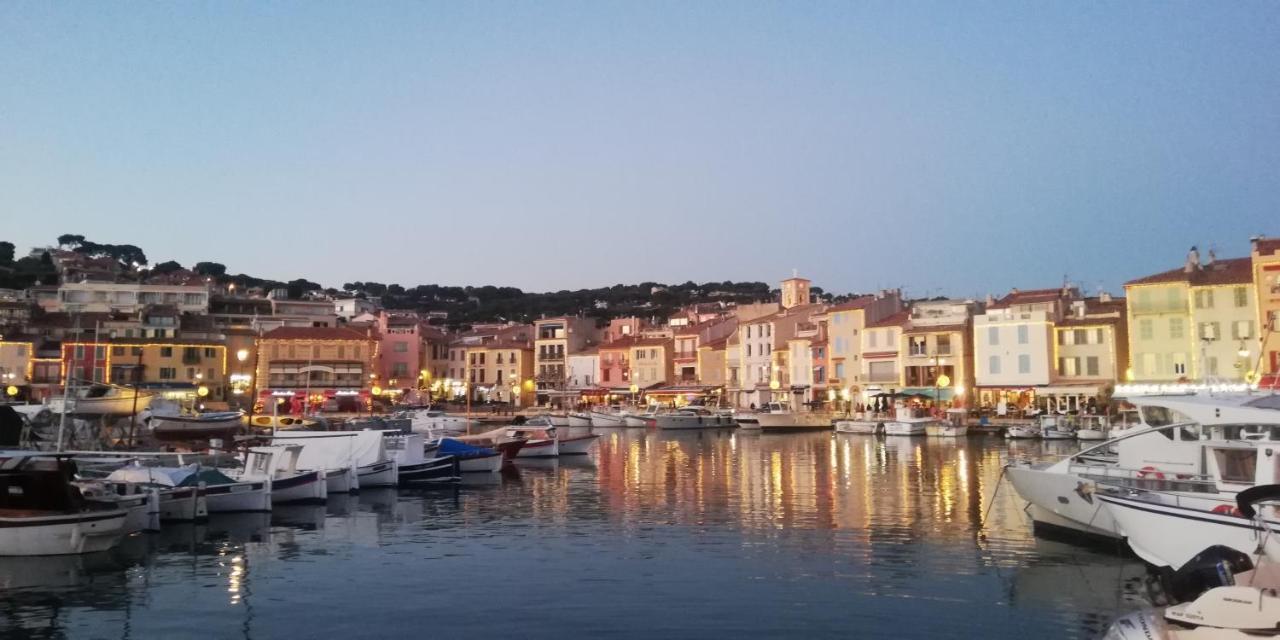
x,y
948,148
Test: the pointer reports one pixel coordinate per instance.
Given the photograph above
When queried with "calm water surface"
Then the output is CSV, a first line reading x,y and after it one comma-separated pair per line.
x,y
681,535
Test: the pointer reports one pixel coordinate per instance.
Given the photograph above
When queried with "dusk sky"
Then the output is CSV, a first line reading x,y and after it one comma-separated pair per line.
x,y
954,148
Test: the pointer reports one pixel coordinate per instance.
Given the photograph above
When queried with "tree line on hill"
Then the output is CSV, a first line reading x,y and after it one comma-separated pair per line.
x,y
460,306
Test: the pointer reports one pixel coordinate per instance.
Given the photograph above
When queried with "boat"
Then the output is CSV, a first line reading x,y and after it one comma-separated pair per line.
x,y
435,423
279,465
909,426
413,468
862,426
945,430
178,502
378,474
1022,432
109,400
341,480
42,514
693,418
777,417
537,436
334,451
608,419
1091,427
1053,427
280,422
747,420
143,507
471,459
1183,444
641,420
579,419
556,419
203,426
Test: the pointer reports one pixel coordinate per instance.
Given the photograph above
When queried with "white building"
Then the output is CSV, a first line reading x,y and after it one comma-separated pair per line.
x,y
348,308
129,297
583,370
1013,346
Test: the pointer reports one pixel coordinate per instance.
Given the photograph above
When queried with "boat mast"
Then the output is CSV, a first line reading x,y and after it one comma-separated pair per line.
x,y
66,389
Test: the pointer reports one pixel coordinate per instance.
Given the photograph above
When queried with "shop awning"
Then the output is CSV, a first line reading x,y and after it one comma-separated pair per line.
x,y
944,393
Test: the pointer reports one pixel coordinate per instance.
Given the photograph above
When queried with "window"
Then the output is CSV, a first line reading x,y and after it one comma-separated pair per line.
x,y
1091,366
1208,331
498,360
210,352
1179,363
1241,297
1023,334
1175,327
871,339
115,351
168,373
1100,338
1145,329
604,374
135,351
401,347
993,336
840,370
79,352
315,351
355,352
166,352
482,354
1024,363
1242,329
993,365
1066,338
1204,299
944,344
1080,336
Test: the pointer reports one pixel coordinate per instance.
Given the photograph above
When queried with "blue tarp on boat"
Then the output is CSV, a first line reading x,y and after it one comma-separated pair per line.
x,y
451,447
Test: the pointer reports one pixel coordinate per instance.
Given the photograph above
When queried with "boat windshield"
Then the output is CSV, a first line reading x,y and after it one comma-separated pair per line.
x,y
1155,416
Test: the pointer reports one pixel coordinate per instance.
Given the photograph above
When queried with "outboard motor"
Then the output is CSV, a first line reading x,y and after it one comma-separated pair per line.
x,y
1216,566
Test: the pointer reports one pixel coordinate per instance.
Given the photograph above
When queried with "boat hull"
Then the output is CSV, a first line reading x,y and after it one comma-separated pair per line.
x,y
61,534
1090,434
795,421
945,431
378,474
491,463
577,420
539,449
606,421
306,486
1170,535
342,480
859,426
110,406
238,497
171,428
183,504
904,429
578,446
674,422
1022,433
1061,501
638,422
557,420
436,471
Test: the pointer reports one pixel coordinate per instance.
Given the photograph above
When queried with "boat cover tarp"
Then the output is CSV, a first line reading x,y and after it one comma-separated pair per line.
x,y
330,450
164,476
451,447
207,476
406,449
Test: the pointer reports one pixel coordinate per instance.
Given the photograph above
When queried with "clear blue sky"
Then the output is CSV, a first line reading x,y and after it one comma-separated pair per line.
x,y
946,147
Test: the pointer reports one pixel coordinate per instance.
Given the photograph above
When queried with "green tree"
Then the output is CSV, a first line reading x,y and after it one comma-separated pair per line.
x,y
212,269
6,252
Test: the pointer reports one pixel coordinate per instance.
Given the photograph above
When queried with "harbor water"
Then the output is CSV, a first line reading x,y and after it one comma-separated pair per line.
x,y
669,535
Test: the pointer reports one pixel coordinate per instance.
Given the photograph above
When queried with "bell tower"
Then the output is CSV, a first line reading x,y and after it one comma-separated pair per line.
x,y
795,291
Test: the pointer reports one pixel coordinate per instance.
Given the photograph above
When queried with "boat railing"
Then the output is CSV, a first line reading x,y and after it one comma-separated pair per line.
x,y
1144,479
1171,497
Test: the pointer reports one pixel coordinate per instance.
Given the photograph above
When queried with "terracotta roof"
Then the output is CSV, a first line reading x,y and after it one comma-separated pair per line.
x,y
896,320
860,302
621,344
1072,321
1228,271
1030,296
651,342
314,333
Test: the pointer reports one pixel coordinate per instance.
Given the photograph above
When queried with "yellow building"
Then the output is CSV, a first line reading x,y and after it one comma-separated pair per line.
x,y
1266,291
713,369
16,366
178,367
1194,323
651,362
501,371
328,366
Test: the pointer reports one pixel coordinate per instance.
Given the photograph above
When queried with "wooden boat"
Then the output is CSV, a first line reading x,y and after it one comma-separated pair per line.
x,y
544,441
378,474
471,458
178,502
42,514
281,422
108,400
278,464
579,419
204,426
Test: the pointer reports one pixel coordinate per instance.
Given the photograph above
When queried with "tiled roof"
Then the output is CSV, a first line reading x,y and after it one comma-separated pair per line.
x,y
1219,272
896,320
860,302
1266,246
1031,296
651,342
314,333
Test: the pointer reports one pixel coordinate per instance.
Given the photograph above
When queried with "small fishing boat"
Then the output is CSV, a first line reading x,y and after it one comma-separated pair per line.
x,y
1022,432
341,480
109,400
204,426
178,502
378,474
556,419
777,417
543,441
435,423
579,419
143,507
608,419
413,468
641,420
1055,428
279,465
1091,428
471,459
865,427
42,514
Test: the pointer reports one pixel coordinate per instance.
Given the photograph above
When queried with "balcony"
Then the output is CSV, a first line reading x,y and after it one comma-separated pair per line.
x,y
550,357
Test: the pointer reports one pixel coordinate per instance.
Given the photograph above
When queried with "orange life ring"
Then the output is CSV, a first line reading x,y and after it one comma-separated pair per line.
x,y
1150,471
1227,510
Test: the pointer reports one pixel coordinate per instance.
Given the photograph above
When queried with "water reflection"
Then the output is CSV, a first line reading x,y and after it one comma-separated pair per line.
x,y
726,532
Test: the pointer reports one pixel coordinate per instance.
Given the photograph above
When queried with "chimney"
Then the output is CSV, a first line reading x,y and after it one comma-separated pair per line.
x,y
1013,291
1104,297
1193,261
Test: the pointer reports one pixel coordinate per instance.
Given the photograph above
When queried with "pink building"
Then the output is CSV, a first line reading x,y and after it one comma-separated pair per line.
x,y
407,348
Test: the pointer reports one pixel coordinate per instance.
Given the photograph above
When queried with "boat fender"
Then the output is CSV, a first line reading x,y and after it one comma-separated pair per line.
x,y
1150,471
1227,510
1246,498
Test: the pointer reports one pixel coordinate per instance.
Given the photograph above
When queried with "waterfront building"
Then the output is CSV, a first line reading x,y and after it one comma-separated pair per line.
x,y
1013,346
316,366
128,297
1265,259
881,359
413,353
17,354
845,324
348,308
806,382
935,354
1197,322
614,361
689,337
763,356
554,340
713,369
1091,352
584,368
501,369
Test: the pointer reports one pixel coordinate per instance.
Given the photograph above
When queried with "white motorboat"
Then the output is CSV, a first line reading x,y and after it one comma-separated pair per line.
x,y
1053,427
579,419
945,430
1176,447
641,420
109,400
1022,432
42,515
693,418
862,426
908,426
413,467
537,437
437,424
556,419
378,474
777,417
471,458
1091,428
279,465
608,419
747,420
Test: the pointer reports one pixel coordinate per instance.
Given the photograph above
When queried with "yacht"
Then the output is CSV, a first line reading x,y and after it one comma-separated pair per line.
x,y
778,417
1054,427
909,426
1182,447
605,418
693,418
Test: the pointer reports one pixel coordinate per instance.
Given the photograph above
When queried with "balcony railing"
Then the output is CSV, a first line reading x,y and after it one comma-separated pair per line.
x,y
551,357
